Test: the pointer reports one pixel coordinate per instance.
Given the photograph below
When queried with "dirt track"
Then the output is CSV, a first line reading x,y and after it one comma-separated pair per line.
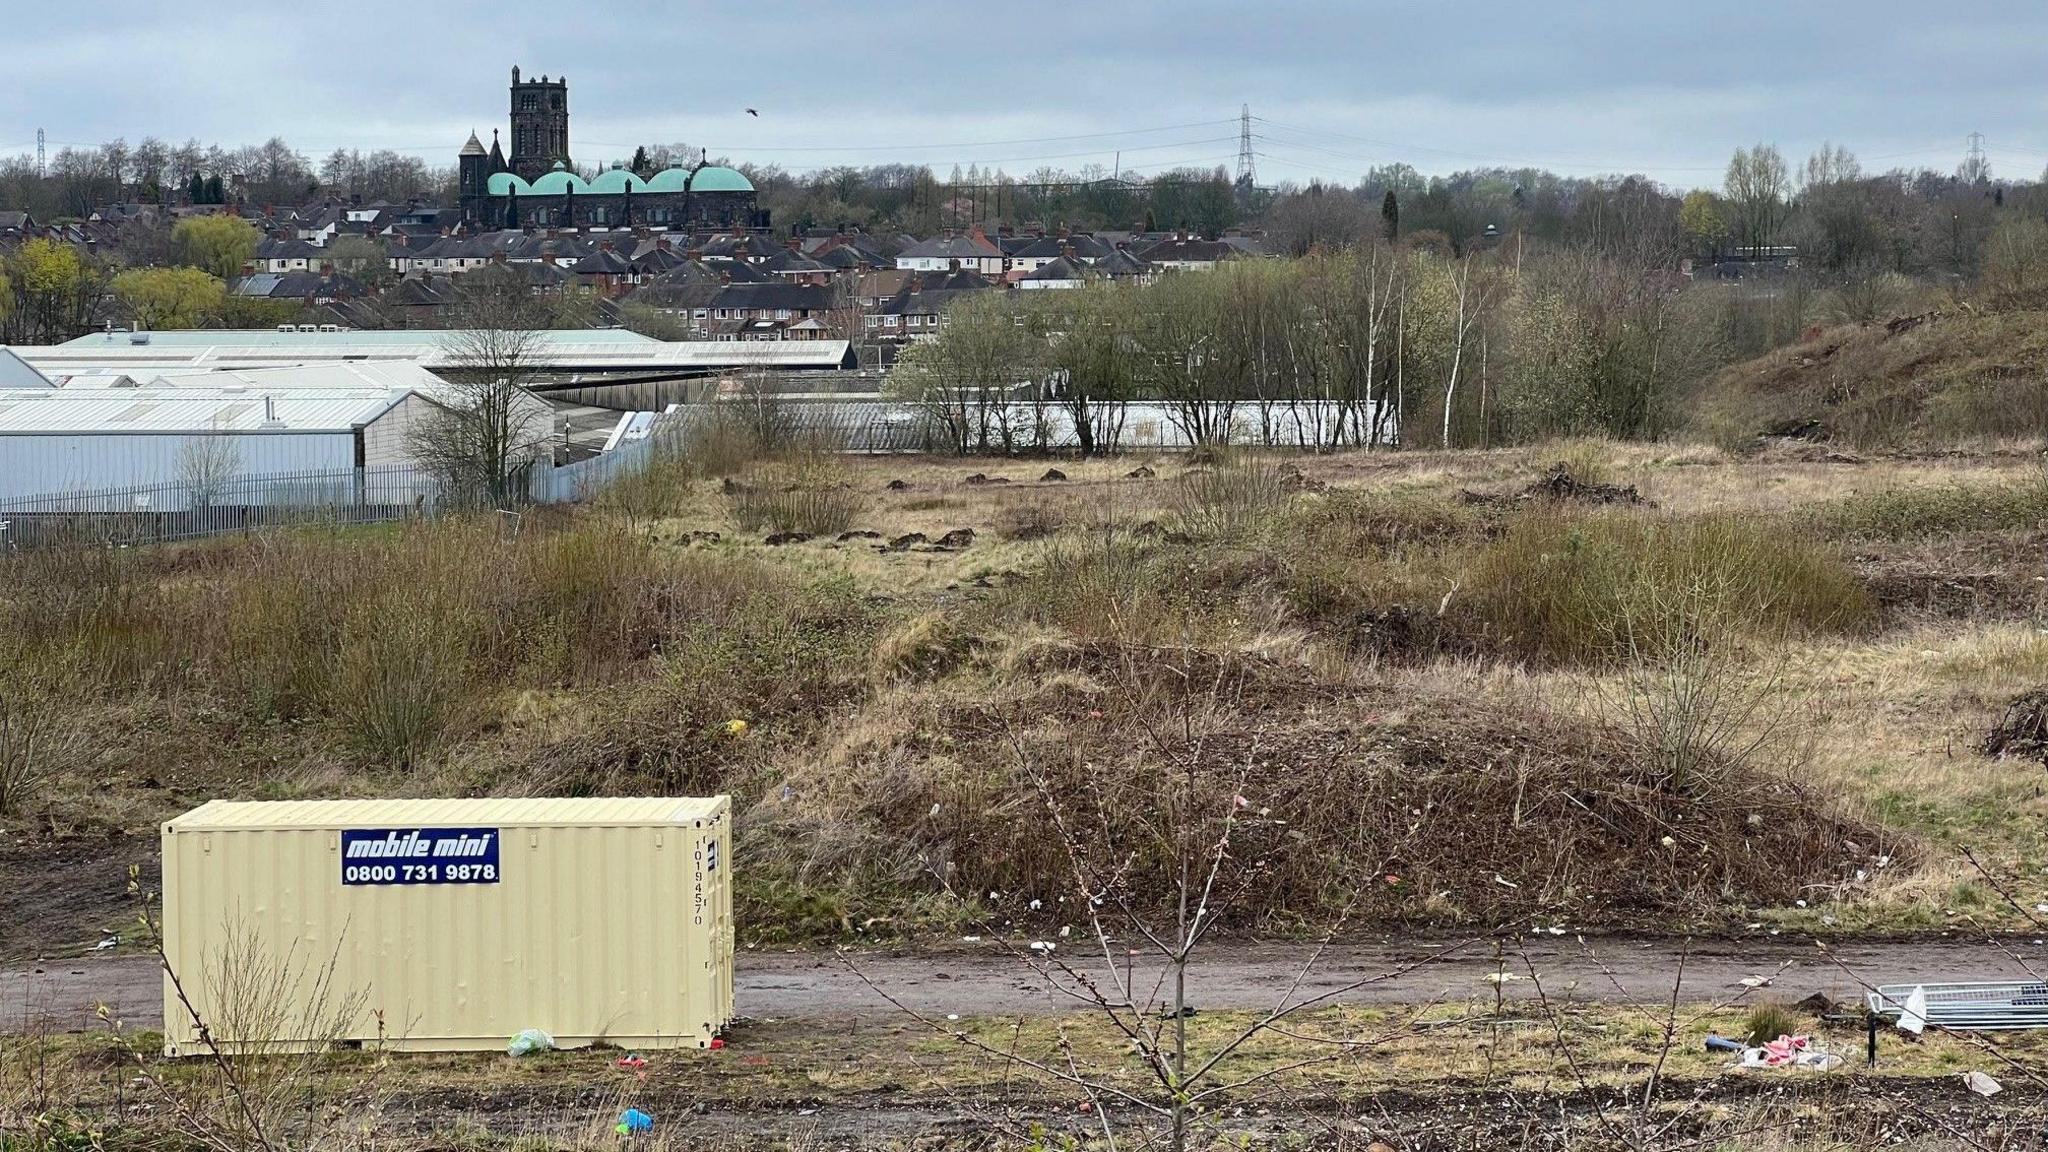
x,y
816,985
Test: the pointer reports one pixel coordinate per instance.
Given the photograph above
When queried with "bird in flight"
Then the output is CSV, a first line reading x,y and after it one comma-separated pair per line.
x,y
754,114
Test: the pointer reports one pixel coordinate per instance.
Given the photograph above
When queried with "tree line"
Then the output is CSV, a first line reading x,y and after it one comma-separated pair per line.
x,y
1406,342
51,292
78,181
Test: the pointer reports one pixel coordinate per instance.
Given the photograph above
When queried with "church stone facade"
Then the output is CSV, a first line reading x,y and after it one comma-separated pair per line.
x,y
537,186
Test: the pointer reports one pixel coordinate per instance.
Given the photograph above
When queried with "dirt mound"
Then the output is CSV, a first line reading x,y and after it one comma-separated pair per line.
x,y
1919,381
1560,484
1409,809
2023,730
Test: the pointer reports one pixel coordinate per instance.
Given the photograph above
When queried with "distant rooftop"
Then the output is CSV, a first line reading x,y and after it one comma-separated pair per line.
x,y
130,411
385,338
598,350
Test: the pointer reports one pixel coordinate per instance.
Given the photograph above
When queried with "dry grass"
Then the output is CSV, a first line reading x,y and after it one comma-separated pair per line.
x,y
1441,792
1964,378
603,653
1925,512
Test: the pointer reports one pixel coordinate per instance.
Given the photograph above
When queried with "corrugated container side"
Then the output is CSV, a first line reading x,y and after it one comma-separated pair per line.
x,y
615,933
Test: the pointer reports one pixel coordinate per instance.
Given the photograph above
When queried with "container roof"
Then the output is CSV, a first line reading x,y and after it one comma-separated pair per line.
x,y
501,812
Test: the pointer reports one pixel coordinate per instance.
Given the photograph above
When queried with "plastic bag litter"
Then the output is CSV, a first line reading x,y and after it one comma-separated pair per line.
x,y
1981,1084
633,1120
1913,1017
1790,1052
528,1042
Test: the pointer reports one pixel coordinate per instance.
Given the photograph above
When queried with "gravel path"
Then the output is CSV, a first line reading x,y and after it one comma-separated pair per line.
x,y
981,982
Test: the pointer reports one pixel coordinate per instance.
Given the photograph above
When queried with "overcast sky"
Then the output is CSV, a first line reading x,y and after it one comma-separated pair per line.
x,y
1587,87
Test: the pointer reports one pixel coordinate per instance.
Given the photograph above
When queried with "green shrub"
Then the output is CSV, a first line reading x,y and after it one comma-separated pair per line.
x,y
402,675
1238,500
1354,523
1594,587
806,493
1920,513
1586,458
39,731
1767,1022
811,511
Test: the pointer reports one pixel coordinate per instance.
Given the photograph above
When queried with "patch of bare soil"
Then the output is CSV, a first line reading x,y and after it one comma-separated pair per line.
x,y
59,895
1848,1112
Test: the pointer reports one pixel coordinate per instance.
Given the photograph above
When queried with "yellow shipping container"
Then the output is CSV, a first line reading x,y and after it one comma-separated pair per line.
x,y
448,924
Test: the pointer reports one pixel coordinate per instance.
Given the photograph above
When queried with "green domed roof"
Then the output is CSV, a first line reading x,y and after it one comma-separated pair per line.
x,y
615,180
505,184
557,182
717,179
667,180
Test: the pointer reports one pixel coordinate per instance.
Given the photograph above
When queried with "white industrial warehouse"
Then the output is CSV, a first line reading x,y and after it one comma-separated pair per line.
x,y
104,431
120,410
580,352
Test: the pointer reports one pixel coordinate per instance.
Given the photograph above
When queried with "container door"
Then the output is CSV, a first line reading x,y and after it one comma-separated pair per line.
x,y
722,927
712,912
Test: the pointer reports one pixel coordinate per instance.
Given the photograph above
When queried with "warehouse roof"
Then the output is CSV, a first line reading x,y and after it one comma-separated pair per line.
x,y
16,373
372,375
377,338
405,814
132,411
581,350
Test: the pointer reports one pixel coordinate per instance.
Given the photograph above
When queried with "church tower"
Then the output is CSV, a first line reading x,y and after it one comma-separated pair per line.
x,y
540,125
472,178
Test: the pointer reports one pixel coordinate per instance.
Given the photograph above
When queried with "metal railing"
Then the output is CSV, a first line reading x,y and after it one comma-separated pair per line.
x,y
167,513
1988,1005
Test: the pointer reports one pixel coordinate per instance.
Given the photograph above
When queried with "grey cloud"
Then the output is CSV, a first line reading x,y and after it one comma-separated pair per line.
x,y
1666,89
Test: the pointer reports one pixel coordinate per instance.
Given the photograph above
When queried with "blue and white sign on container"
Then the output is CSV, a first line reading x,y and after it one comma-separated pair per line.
x,y
377,856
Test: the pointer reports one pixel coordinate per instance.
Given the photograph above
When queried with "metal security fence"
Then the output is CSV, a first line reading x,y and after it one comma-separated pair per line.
x,y
165,513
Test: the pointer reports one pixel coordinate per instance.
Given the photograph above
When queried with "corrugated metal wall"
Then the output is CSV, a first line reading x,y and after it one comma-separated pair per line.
x,y
388,440
622,934
34,465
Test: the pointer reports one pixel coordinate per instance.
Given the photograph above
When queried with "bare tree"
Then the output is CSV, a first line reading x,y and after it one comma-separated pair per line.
x,y
486,428
1133,950
1471,303
1757,185
207,465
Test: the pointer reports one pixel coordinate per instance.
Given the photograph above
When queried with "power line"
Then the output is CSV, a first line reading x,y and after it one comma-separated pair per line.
x,y
1474,157
897,147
